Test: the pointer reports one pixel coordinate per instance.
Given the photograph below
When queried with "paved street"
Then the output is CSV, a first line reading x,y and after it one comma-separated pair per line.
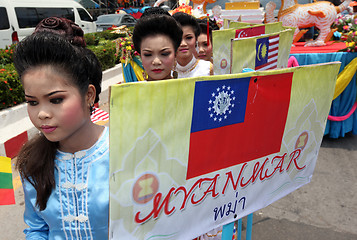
x,y
324,209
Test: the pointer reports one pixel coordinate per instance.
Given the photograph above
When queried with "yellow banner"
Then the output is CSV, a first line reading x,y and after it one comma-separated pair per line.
x,y
264,130
5,164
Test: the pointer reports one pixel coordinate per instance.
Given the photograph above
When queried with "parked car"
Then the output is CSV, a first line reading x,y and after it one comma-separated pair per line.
x,y
106,21
19,18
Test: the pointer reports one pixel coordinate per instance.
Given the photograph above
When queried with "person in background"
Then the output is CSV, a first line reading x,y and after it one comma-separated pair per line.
x,y
187,63
205,44
157,37
65,168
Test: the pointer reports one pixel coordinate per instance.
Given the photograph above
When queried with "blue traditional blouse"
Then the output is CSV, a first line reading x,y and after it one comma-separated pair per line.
x,y
78,208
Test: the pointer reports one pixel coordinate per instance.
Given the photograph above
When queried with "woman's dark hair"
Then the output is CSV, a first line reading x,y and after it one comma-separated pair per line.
x,y
187,20
35,161
95,72
62,26
157,24
75,35
153,11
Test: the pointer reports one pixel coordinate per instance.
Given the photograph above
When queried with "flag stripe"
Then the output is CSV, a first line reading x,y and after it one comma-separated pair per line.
x,y
5,180
269,65
99,115
7,196
99,119
5,165
274,39
273,54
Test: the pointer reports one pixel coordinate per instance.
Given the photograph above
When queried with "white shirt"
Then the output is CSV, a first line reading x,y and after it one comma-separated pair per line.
x,y
195,68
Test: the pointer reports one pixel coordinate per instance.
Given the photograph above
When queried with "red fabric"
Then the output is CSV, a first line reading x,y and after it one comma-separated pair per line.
x,y
7,196
13,145
136,15
330,47
343,118
259,135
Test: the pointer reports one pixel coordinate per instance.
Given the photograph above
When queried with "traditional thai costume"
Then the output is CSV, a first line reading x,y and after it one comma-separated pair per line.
x,y
78,207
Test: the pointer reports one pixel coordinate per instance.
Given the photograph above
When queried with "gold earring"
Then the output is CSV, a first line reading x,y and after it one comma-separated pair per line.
x,y
174,72
145,76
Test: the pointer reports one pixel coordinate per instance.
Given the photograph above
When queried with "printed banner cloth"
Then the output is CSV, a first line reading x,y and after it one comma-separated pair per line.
x,y
190,155
7,195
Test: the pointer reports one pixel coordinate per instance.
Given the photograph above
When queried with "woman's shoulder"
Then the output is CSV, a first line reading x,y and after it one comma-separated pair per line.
x,y
204,63
205,66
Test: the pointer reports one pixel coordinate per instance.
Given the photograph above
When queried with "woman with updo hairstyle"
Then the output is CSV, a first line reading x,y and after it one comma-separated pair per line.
x,y
75,35
64,27
156,38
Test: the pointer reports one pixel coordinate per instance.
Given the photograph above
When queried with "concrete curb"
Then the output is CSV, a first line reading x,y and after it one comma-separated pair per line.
x,y
16,127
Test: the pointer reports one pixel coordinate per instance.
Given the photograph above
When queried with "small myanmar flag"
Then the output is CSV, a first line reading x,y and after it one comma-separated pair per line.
x,y
7,195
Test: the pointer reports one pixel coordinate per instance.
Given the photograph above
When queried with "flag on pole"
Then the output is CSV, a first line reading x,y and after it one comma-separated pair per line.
x,y
7,195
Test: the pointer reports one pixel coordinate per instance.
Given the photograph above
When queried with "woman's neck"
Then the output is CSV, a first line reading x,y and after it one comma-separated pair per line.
x,y
83,139
185,61
165,78
188,67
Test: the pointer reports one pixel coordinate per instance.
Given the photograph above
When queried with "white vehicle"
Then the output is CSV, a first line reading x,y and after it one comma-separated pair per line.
x,y
18,18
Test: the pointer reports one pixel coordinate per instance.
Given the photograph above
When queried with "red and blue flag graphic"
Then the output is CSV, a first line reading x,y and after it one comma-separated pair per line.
x,y
236,121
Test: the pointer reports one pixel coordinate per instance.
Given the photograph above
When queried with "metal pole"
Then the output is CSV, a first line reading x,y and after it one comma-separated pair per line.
x,y
227,231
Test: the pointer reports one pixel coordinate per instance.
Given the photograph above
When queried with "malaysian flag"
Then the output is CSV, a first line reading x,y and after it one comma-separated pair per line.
x,y
267,53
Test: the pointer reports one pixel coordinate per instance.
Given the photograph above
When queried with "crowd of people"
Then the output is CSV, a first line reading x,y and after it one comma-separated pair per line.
x,y
65,168
179,43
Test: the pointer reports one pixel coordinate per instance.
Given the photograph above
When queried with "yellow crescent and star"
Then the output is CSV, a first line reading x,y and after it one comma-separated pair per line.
x,y
262,51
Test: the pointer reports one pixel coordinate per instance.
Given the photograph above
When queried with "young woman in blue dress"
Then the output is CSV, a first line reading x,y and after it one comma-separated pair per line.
x,y
65,168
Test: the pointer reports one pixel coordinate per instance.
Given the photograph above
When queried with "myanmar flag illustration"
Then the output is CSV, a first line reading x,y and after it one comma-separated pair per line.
x,y
236,121
185,151
7,195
